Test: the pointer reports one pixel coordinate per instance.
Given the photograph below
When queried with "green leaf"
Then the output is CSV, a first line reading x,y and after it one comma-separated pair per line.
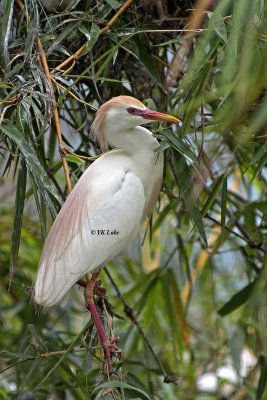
x,y
179,145
217,23
195,214
114,4
178,307
182,176
210,200
122,385
260,153
171,41
263,378
7,7
134,381
238,299
260,166
74,158
223,205
33,165
63,34
5,86
18,214
144,56
65,354
91,37
164,145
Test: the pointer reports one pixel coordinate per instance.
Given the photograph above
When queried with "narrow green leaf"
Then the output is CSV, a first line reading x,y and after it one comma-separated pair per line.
x,y
6,23
22,356
171,41
91,36
131,379
260,153
263,378
178,307
195,214
74,158
179,145
83,29
38,205
122,385
238,299
33,164
217,23
261,165
182,176
163,146
210,200
176,338
223,206
5,86
145,58
63,357
18,214
63,34
114,4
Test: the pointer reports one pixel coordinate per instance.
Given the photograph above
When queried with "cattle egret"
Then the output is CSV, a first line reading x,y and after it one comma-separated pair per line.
x,y
103,213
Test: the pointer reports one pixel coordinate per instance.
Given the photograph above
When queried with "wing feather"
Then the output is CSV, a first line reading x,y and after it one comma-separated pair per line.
x,y
99,201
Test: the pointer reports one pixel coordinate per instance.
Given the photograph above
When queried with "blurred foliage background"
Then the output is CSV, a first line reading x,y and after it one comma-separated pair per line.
x,y
197,285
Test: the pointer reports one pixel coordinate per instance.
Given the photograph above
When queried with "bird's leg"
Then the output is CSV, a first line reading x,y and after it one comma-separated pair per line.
x,y
108,345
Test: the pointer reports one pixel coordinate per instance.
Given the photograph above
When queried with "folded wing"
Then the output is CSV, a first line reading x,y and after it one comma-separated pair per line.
x,y
100,217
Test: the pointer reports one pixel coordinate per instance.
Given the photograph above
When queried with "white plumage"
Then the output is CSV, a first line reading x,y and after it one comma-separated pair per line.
x,y
113,195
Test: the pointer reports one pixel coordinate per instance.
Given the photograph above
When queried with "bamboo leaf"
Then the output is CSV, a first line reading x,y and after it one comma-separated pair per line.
x,y
179,145
163,146
258,156
122,385
65,354
114,4
18,214
179,308
217,23
223,206
263,378
145,58
210,200
91,36
238,299
182,176
33,164
6,24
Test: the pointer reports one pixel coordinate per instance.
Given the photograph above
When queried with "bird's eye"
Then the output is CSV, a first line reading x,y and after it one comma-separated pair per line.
x,y
131,110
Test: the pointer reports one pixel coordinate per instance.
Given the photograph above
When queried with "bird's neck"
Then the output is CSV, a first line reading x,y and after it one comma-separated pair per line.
x,y
133,141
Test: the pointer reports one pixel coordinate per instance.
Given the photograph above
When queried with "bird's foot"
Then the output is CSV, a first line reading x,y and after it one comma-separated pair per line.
x,y
97,290
112,345
100,291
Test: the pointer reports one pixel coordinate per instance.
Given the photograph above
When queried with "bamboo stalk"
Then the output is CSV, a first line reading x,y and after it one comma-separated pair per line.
x,y
56,115
103,30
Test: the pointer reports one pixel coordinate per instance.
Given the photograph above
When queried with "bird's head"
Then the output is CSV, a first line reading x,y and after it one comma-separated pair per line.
x,y
123,113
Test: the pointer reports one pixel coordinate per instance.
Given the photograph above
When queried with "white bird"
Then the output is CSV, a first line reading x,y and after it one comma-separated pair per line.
x,y
103,213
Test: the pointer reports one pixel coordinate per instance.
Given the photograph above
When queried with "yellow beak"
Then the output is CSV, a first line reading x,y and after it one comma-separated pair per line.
x,y
158,116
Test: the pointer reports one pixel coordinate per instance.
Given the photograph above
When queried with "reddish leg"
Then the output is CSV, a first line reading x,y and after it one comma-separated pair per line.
x,y
92,287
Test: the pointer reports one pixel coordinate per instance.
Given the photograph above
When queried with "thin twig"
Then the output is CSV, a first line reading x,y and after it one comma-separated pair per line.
x,y
246,239
130,314
55,112
103,30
